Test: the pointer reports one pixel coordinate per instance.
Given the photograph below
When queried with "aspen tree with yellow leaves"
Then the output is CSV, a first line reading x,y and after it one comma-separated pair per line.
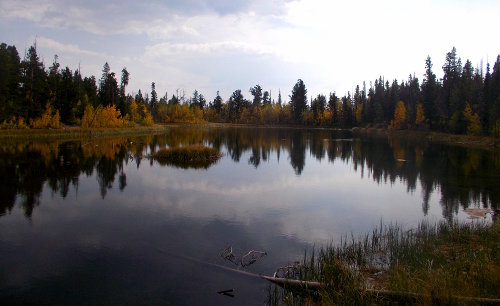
x,y
399,117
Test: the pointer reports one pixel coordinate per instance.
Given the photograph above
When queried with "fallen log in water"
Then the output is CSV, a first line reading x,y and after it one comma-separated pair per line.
x,y
293,282
387,295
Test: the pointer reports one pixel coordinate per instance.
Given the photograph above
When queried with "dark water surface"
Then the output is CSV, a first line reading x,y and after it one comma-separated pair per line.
x,y
100,222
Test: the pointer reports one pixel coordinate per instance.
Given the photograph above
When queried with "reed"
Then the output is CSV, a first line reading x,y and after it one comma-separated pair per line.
x,y
432,263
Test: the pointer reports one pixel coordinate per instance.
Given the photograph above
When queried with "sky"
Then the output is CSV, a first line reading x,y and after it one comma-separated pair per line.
x,y
217,45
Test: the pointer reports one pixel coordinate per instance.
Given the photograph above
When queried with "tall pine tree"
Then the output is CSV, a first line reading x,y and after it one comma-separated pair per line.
x,y
298,100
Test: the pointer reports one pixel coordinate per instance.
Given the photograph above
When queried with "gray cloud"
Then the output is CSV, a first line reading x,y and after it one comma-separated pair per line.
x,y
126,17
223,7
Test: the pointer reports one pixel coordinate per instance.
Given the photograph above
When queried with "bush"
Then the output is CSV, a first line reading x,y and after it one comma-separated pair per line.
x,y
102,117
192,156
47,120
14,123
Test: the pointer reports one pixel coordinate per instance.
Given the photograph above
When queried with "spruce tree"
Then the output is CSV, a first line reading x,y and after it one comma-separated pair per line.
x,y
298,100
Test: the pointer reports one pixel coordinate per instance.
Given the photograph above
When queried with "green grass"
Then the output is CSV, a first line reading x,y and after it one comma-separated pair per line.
x,y
72,133
441,263
192,156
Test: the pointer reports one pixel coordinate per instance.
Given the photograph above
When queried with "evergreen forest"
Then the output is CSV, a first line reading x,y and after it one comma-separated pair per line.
x,y
466,100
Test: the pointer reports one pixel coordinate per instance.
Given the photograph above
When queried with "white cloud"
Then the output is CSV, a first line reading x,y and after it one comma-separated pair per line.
x,y
45,42
169,49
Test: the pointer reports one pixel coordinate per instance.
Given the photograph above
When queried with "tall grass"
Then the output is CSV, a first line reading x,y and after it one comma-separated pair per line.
x,y
439,262
77,133
191,156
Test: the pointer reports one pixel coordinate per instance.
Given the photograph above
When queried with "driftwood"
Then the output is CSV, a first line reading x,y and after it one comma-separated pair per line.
x,y
293,282
382,294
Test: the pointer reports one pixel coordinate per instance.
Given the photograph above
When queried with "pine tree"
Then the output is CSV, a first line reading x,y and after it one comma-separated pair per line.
x,y
10,78
256,92
318,107
298,100
153,104
236,105
34,85
90,90
332,107
217,104
450,95
494,99
108,87
122,101
67,97
429,92
266,98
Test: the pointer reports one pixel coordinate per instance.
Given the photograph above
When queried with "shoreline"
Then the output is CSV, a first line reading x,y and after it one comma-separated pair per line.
x,y
468,141
71,133
75,132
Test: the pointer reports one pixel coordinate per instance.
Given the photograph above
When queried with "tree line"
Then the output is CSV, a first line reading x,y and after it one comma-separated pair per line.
x,y
466,100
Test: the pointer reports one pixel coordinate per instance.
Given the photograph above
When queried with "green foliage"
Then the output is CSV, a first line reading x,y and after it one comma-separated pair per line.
x,y
34,88
10,77
256,92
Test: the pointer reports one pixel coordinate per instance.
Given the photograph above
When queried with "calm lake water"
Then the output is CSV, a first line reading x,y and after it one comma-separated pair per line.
x,y
100,222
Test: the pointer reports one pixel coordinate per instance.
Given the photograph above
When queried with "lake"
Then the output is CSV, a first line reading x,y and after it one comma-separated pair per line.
x,y
98,221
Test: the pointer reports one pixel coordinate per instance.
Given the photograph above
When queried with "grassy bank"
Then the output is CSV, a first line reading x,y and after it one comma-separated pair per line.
x,y
430,264
70,133
484,142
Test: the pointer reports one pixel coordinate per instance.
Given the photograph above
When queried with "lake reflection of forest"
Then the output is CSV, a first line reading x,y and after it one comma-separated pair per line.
x,y
463,177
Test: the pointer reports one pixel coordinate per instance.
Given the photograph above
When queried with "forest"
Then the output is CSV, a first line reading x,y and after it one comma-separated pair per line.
x,y
466,100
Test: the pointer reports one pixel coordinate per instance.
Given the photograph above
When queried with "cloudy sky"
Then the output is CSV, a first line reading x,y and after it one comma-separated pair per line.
x,y
212,45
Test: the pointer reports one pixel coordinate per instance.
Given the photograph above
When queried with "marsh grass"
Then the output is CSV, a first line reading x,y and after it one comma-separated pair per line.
x,y
441,263
191,156
74,133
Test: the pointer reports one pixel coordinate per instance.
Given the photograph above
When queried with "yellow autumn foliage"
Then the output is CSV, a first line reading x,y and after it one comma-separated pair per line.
x,y
147,120
179,114
473,121
102,117
14,123
359,114
399,116
420,117
134,111
47,120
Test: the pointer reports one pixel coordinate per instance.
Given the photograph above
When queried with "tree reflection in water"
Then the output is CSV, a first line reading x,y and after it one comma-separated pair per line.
x,y
463,176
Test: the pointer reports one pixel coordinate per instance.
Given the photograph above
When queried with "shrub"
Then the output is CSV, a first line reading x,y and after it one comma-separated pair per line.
x,y
192,156
102,117
47,120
